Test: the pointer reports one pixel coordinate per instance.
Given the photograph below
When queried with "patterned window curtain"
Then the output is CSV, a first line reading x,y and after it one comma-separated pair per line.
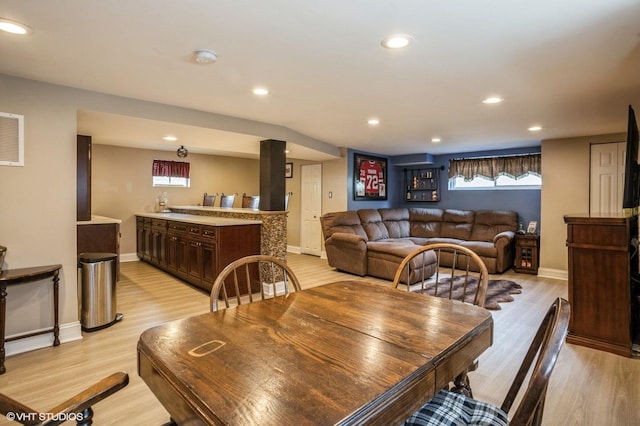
x,y
513,166
171,168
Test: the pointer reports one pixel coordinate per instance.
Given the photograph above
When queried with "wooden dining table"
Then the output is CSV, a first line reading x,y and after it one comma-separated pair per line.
x,y
348,352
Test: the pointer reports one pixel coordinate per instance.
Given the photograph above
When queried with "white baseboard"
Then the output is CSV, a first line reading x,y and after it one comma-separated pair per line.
x,y
68,333
558,274
294,249
268,288
129,257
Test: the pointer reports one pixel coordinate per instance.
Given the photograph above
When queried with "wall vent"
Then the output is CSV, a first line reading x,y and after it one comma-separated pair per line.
x,y
11,139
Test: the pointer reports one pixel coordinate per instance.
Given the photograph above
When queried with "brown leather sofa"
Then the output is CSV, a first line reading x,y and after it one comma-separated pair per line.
x,y
374,241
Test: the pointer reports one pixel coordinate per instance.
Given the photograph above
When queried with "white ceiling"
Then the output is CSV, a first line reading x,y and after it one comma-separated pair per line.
x,y
571,66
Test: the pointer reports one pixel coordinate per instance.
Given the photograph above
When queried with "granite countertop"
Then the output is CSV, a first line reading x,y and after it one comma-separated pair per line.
x,y
98,220
203,220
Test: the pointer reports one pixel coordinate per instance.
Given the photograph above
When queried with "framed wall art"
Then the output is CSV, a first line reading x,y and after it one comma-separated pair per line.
x,y
369,178
288,170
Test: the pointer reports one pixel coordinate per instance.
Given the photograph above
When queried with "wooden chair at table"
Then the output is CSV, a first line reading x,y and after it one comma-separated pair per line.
x,y
250,201
227,200
208,200
242,273
78,408
467,280
544,350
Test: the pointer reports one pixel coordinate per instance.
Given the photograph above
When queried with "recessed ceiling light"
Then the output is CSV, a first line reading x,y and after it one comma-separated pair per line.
x,y
492,100
260,91
373,121
535,128
13,27
170,138
435,140
396,41
205,56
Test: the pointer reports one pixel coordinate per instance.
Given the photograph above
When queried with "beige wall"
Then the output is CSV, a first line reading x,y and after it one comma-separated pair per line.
x,y
565,190
121,183
38,215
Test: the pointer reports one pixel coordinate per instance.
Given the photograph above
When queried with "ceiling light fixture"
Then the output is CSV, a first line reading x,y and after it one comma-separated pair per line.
x,y
182,152
435,140
260,91
535,128
170,138
13,27
492,100
205,56
396,41
373,121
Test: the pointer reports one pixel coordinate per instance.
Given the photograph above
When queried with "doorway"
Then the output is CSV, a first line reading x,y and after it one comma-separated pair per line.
x,y
311,209
606,178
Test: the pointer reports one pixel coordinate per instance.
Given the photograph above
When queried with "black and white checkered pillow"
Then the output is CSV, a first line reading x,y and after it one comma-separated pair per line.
x,y
452,409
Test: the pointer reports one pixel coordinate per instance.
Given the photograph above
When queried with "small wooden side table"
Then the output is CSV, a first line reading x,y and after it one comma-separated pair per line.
x,y
527,253
21,276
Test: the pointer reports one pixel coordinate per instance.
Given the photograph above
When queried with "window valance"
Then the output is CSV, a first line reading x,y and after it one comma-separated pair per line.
x,y
171,168
513,166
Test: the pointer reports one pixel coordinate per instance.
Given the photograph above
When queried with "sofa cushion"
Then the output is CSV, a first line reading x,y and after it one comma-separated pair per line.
x,y
396,221
481,248
425,223
373,225
489,223
347,222
457,224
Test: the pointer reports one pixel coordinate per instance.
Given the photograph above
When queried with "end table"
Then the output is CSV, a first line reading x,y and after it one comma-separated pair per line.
x,y
527,253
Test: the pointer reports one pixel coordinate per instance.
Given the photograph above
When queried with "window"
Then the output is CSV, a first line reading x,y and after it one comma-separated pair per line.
x,y
170,173
507,172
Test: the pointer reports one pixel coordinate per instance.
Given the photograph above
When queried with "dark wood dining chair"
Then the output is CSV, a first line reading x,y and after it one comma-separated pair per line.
x,y
208,200
465,279
241,278
539,361
250,201
227,200
78,407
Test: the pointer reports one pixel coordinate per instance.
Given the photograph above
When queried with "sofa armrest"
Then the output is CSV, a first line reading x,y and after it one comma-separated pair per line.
x,y
503,238
342,238
347,252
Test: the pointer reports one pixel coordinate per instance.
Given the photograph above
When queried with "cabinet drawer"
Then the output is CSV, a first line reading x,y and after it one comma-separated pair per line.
x,y
194,230
177,226
527,242
209,232
159,223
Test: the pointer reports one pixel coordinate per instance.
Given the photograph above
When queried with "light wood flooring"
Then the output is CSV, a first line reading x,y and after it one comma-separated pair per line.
x,y
588,387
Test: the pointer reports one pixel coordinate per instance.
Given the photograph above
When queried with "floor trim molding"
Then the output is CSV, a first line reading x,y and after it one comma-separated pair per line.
x,y
68,333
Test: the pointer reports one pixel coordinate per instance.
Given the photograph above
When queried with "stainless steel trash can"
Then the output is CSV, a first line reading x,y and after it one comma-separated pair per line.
x,y
97,290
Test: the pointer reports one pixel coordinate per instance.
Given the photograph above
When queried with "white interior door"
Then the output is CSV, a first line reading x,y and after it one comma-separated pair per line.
x,y
311,209
607,178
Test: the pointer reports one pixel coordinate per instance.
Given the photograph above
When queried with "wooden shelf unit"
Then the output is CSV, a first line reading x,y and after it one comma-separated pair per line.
x,y
422,184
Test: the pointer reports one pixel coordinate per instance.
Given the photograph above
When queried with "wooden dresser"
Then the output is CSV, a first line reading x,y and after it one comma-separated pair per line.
x,y
602,267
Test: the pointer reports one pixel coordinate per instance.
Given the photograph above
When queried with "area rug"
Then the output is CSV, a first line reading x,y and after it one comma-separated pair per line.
x,y
499,291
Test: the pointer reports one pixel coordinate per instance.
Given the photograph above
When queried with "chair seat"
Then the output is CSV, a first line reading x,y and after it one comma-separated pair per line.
x,y
448,408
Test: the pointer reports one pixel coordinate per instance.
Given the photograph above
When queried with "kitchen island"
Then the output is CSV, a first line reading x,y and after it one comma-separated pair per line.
x,y
195,248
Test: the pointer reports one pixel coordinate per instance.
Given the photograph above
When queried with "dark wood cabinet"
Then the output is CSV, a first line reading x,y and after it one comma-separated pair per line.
x,y
527,253
177,253
422,185
603,270
195,252
96,237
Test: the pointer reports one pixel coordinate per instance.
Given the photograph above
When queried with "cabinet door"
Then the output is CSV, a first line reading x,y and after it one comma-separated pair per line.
x,y
194,265
209,264
176,253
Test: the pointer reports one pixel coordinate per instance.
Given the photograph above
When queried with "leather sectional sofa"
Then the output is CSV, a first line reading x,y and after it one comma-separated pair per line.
x,y
374,241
